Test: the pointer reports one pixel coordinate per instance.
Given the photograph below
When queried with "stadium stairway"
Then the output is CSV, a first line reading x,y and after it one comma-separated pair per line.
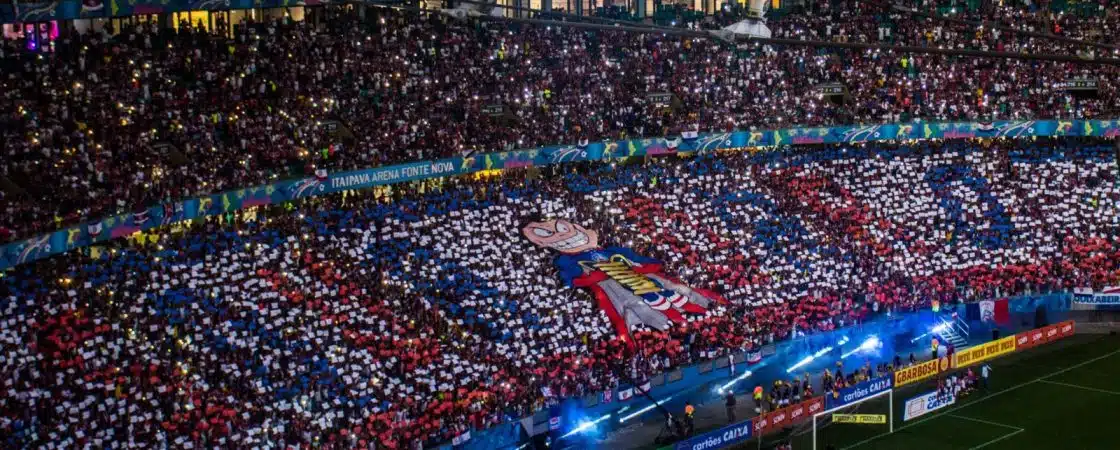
x,y
953,331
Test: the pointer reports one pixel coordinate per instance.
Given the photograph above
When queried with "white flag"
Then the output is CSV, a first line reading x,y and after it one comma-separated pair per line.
x,y
987,310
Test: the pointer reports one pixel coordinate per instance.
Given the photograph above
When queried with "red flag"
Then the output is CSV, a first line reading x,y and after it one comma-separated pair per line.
x,y
1000,312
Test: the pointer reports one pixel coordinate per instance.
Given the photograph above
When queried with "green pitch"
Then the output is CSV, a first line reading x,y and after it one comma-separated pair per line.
x,y
1064,395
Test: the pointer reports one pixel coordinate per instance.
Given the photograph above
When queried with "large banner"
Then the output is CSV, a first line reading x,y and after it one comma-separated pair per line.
x,y
926,403
860,391
984,352
1109,296
368,178
632,289
920,372
723,437
154,216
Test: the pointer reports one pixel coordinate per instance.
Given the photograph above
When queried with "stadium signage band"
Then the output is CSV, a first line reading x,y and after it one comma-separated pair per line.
x,y
389,175
1097,299
984,352
860,391
729,435
920,372
158,215
1039,336
1028,339
1079,84
926,403
790,415
875,419
1109,296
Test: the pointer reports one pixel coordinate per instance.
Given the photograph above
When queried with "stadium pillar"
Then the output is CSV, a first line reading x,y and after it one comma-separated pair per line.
x,y
546,5
640,9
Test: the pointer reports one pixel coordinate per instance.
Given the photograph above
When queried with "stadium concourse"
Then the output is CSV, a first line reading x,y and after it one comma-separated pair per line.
x,y
403,318
107,124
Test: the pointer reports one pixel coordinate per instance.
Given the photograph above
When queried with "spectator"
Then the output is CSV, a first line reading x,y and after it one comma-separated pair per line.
x,y
730,403
689,424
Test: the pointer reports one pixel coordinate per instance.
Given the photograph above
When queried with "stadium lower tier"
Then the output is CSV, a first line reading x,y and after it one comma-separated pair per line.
x,y
410,315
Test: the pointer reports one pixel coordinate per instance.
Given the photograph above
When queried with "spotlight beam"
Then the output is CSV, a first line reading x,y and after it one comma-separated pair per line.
x,y
586,425
809,359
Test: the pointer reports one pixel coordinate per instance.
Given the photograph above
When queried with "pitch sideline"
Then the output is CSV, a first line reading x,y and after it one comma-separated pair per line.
x,y
952,409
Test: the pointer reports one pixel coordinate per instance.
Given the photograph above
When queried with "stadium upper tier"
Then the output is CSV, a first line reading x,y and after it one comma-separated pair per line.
x,y
1005,27
457,304
109,125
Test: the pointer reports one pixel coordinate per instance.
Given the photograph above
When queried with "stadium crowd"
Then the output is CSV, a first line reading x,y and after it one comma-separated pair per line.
x,y
980,26
110,123
408,315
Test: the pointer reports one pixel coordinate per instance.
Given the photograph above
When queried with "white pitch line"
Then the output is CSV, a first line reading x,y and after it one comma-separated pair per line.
x,y
987,422
951,409
993,441
1078,386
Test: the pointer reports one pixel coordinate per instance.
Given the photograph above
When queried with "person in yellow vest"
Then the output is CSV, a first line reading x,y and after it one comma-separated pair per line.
x,y
689,410
757,395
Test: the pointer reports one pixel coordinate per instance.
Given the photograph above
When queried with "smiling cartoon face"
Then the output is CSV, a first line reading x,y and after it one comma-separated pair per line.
x,y
564,236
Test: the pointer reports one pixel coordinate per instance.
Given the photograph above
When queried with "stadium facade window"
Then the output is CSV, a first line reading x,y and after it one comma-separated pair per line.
x,y
197,19
39,36
13,31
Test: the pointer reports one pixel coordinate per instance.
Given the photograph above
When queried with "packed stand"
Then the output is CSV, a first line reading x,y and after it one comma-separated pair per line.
x,y
109,124
411,314
992,26
877,22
